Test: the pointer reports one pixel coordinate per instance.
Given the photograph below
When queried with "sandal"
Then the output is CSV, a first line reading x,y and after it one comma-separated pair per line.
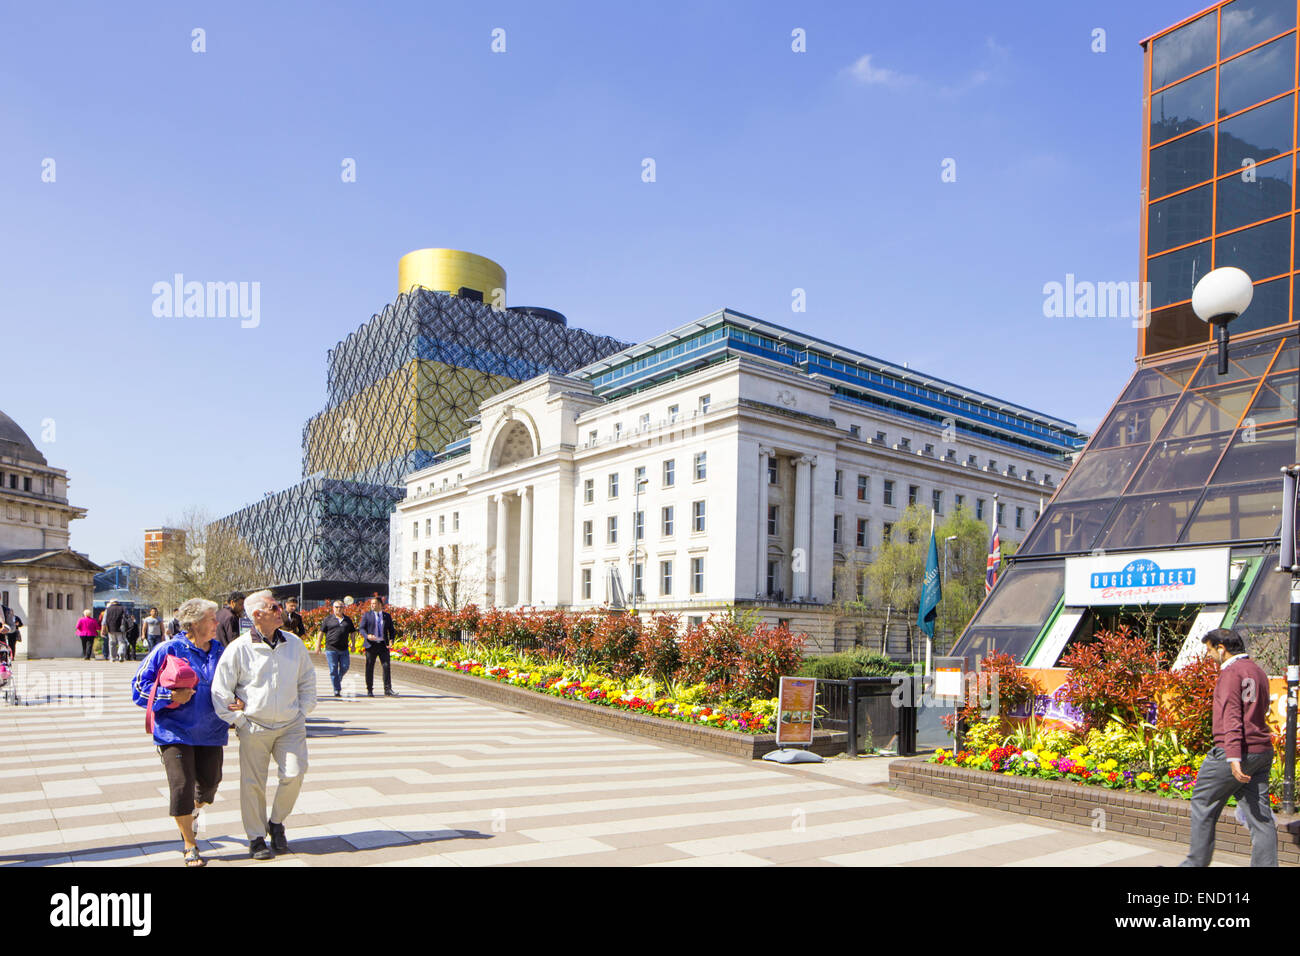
x,y
192,857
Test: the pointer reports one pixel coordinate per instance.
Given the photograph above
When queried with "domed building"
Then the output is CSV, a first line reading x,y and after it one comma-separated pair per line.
x,y
42,579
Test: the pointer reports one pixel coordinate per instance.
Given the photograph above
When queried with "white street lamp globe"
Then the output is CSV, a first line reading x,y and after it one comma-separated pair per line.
x,y
1222,295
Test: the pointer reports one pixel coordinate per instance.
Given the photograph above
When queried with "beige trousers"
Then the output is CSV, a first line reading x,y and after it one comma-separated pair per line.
x,y
257,747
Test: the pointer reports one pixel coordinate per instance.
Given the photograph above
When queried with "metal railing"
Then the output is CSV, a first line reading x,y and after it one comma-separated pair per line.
x,y
867,710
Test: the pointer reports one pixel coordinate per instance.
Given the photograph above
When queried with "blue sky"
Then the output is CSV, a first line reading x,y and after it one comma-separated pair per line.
x,y
775,170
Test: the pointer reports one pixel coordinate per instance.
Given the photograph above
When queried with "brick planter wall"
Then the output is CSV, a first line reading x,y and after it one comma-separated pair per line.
x,y
658,729
1140,814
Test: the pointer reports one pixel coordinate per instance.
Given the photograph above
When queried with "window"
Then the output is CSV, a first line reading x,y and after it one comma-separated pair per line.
x,y
638,530
979,509
665,578
886,532
936,501
1002,514
49,600
839,484
428,558
913,493
836,524
672,413
697,575
695,620
666,520
415,531
638,478
973,460
455,521
773,570
862,532
772,515
638,579
589,491
889,493
591,437
428,527
442,524
1011,470
882,438
68,602
993,464
773,472
586,534
1020,518
58,601
855,431
905,444
415,561
586,584
27,484
670,472
618,430
698,515
701,465
613,485
959,501
863,485
645,422
704,404
929,449
611,530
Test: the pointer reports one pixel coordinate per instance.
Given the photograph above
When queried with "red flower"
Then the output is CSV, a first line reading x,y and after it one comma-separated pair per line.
x,y
1164,784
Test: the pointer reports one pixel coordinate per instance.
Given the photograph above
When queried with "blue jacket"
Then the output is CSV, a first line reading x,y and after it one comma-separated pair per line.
x,y
381,628
193,722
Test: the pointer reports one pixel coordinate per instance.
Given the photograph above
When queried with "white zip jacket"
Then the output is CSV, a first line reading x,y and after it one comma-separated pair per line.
x,y
277,686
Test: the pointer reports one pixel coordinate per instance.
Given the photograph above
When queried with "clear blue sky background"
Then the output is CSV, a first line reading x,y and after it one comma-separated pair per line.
x,y
775,171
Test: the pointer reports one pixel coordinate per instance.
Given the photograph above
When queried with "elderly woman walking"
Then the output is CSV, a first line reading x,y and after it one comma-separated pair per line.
x,y
87,630
186,729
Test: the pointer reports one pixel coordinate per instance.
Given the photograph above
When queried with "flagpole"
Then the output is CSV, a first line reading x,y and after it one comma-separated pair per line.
x,y
929,639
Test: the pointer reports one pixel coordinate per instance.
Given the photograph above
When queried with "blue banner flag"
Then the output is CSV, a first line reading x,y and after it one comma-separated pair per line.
x,y
931,590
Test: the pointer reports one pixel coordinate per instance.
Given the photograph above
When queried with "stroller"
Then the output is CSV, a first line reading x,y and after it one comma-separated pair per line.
x,y
8,689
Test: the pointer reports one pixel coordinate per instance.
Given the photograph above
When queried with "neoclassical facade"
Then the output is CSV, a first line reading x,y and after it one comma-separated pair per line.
x,y
42,579
716,481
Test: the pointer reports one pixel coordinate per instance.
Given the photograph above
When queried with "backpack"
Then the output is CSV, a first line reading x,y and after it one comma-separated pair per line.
x,y
175,672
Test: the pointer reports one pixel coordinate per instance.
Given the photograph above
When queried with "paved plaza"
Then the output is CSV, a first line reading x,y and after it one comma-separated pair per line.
x,y
437,780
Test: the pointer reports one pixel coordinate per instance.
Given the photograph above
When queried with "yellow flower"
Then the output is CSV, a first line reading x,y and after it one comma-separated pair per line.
x,y
1110,764
1048,756
1145,776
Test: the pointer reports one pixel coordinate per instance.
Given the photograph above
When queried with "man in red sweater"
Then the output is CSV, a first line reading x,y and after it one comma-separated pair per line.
x,y
1238,765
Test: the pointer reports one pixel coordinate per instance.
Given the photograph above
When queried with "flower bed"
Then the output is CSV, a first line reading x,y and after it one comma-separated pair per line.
x,y
757,717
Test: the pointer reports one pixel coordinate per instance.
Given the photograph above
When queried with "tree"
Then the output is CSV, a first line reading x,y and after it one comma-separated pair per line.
x,y
209,559
454,578
895,575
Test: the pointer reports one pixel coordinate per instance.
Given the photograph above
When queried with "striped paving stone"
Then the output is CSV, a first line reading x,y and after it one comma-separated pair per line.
x,y
435,780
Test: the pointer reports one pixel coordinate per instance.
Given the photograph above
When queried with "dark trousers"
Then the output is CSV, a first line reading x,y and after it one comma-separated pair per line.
x,y
380,651
88,647
1214,785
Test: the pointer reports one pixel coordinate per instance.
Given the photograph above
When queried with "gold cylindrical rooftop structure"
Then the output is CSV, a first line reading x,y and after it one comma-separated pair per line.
x,y
450,270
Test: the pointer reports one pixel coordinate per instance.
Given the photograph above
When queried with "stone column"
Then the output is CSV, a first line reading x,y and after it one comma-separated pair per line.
x,y
802,556
761,584
526,545
503,519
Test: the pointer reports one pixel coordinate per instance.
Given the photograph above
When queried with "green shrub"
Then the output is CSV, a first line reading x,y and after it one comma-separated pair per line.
x,y
847,664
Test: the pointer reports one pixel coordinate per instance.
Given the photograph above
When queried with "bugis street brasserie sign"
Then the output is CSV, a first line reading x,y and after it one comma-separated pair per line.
x,y
1198,576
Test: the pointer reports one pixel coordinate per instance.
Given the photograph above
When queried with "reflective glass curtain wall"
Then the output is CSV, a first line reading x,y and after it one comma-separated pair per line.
x,y
1220,166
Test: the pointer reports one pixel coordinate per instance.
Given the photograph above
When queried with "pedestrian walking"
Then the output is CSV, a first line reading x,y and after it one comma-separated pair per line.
x,y
228,628
1239,763
269,671
189,734
377,633
87,629
9,629
152,629
292,619
336,632
173,624
113,628
131,634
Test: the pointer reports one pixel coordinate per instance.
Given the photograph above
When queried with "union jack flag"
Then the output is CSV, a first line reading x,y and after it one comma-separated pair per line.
x,y
994,562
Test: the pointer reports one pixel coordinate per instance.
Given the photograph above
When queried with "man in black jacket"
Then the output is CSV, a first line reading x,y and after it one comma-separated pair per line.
x,y
115,631
377,633
292,619
9,625
228,618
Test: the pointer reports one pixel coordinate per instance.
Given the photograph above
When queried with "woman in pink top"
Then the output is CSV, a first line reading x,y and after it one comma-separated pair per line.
x,y
87,630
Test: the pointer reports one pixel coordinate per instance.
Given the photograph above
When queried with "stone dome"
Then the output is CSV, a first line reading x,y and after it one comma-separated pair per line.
x,y
14,442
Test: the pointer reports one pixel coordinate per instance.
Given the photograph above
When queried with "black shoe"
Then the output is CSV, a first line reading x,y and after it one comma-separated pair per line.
x,y
258,850
370,693
337,694
278,841
390,693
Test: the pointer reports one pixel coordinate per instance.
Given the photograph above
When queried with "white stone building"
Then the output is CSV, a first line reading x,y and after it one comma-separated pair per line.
x,y
730,449
42,579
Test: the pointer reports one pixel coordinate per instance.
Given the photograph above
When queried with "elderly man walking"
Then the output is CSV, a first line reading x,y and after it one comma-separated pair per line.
x,y
1239,763
268,669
